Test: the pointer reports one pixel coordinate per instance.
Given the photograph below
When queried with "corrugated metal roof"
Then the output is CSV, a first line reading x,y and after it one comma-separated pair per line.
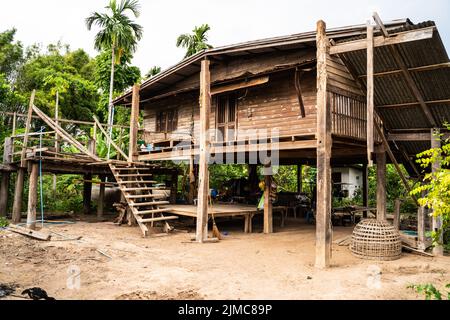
x,y
393,89
191,65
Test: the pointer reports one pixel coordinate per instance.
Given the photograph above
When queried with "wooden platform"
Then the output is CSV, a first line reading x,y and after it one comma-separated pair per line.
x,y
225,210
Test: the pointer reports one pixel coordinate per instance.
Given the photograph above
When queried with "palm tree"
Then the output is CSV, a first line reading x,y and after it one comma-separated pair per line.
x,y
119,34
195,42
153,71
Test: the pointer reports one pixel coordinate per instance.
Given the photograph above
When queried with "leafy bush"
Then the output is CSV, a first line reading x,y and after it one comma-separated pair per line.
x,y
430,291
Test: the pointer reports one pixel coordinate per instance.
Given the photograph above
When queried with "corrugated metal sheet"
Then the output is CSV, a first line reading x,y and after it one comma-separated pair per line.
x,y
393,89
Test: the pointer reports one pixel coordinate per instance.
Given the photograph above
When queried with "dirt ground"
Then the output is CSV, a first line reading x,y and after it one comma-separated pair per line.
x,y
112,262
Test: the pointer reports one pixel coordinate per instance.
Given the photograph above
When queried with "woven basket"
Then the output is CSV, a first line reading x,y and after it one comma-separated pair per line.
x,y
376,240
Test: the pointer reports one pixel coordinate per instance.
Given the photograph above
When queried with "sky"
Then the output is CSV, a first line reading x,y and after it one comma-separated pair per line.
x,y
231,21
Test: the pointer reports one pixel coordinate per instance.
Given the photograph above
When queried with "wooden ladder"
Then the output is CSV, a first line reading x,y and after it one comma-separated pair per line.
x,y
137,188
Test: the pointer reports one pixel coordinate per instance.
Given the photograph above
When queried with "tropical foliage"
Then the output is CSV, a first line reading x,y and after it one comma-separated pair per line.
x,y
196,41
436,185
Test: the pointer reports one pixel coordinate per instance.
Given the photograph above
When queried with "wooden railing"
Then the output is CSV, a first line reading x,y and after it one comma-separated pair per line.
x,y
349,116
83,135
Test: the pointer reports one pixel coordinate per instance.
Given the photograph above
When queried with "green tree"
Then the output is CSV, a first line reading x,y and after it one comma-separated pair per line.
x,y
11,54
436,185
153,71
62,72
195,42
118,33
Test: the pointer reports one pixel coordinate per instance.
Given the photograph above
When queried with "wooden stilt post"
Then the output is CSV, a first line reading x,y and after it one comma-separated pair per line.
x,y
268,212
4,193
18,194
381,184
174,188
396,222
56,139
203,179
299,179
421,215
101,197
370,93
436,222
365,188
134,125
324,142
87,192
191,192
32,196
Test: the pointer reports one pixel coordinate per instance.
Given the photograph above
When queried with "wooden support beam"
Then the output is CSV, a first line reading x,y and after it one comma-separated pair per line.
x,y
414,69
412,136
381,184
4,192
324,142
87,193
63,134
396,222
380,24
174,188
421,230
32,196
134,125
394,161
108,139
18,196
370,95
203,179
27,130
101,197
239,85
436,221
268,210
365,188
401,37
299,179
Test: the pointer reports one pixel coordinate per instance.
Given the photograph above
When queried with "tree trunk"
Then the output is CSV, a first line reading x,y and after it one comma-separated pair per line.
x,y
111,91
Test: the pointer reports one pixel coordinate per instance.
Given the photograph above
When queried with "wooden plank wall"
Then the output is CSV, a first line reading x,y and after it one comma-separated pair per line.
x,y
271,105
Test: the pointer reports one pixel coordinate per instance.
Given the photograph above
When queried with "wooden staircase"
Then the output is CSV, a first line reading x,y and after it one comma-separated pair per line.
x,y
137,188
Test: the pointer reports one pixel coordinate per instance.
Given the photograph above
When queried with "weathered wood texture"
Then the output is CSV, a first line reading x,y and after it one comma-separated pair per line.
x,y
134,125
260,107
32,196
324,142
18,196
268,210
203,179
101,197
4,186
87,192
381,184
370,94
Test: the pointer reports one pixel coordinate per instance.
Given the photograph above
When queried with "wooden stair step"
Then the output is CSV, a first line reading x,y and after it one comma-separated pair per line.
x,y
151,211
134,175
137,182
143,204
159,219
141,188
142,196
